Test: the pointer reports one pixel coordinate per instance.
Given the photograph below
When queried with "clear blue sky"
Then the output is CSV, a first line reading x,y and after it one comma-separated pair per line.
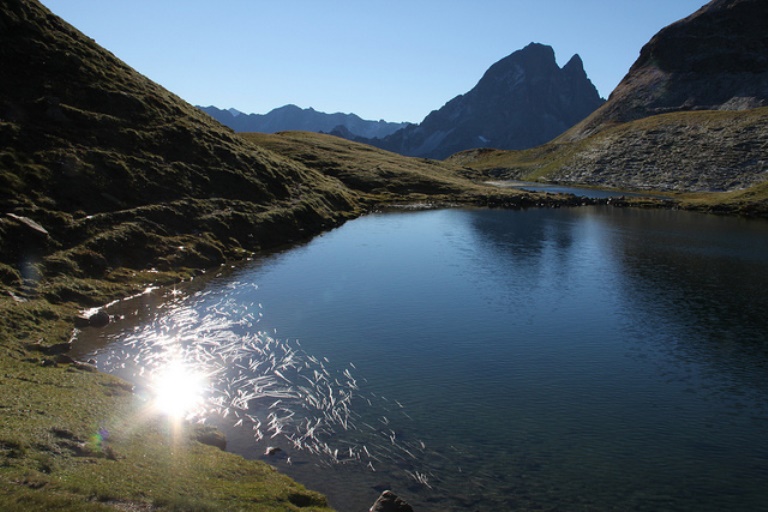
x,y
381,59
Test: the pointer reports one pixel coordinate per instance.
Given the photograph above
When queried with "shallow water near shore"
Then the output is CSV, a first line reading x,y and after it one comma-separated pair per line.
x,y
555,188
573,359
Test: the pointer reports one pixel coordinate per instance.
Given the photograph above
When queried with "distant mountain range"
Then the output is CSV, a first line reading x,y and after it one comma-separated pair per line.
x,y
522,101
291,117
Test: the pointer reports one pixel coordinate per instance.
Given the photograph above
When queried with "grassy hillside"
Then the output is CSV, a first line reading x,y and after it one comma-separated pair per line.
x,y
383,178
109,183
104,159
713,59
375,172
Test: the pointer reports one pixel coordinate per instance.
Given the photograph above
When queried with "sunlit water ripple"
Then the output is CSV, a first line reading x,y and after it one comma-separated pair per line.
x,y
269,387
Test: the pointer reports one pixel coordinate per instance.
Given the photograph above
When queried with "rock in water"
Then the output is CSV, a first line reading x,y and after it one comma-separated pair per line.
x,y
390,502
210,436
99,319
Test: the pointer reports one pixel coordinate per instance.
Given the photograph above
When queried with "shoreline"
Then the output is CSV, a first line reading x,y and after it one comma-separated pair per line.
x,y
39,332
200,283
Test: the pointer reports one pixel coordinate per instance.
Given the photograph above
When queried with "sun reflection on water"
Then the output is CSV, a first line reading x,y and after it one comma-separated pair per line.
x,y
204,360
178,390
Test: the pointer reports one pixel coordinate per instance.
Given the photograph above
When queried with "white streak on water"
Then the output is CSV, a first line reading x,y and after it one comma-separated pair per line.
x,y
269,386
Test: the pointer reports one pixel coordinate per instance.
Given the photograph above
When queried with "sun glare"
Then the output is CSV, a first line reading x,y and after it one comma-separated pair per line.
x,y
178,391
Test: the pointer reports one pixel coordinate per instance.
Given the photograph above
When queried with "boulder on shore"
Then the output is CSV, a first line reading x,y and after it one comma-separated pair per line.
x,y
99,319
390,502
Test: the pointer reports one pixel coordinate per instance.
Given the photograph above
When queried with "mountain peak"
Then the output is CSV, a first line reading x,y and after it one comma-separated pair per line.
x,y
523,100
574,65
534,55
541,50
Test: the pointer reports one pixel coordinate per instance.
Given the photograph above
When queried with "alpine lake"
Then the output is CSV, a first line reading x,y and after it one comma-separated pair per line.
x,y
589,358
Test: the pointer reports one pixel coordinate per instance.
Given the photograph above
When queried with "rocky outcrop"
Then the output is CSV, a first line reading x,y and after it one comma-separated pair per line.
x,y
291,117
98,319
715,59
522,101
390,502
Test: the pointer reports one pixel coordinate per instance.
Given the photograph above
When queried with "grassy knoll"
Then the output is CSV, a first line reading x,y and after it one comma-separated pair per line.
x,y
379,177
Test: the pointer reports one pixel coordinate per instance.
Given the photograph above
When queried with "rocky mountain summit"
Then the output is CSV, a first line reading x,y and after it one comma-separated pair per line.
x,y
291,117
715,59
522,101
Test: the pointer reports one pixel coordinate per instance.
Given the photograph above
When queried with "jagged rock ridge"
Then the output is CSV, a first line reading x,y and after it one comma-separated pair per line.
x,y
291,117
522,101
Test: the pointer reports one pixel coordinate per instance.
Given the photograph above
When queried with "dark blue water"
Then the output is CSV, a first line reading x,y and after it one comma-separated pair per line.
x,y
569,359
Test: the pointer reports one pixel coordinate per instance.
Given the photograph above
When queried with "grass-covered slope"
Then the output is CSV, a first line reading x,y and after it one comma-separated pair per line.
x,y
714,59
106,162
75,440
374,172
104,176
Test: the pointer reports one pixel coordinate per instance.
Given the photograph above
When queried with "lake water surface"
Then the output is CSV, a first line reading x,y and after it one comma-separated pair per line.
x,y
557,359
556,188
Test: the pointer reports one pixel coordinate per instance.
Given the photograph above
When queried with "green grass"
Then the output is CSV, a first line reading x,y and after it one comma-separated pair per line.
x,y
750,201
369,170
137,188
51,457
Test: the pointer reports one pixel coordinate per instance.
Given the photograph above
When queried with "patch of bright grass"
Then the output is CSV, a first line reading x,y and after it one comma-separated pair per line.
x,y
72,439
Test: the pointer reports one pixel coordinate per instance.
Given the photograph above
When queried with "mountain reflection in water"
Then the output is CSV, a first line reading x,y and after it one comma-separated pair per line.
x,y
586,358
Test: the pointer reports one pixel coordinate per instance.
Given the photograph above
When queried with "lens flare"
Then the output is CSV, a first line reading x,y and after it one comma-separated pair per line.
x,y
178,391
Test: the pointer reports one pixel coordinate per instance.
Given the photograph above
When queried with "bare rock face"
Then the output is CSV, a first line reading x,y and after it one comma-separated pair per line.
x,y
523,100
715,59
